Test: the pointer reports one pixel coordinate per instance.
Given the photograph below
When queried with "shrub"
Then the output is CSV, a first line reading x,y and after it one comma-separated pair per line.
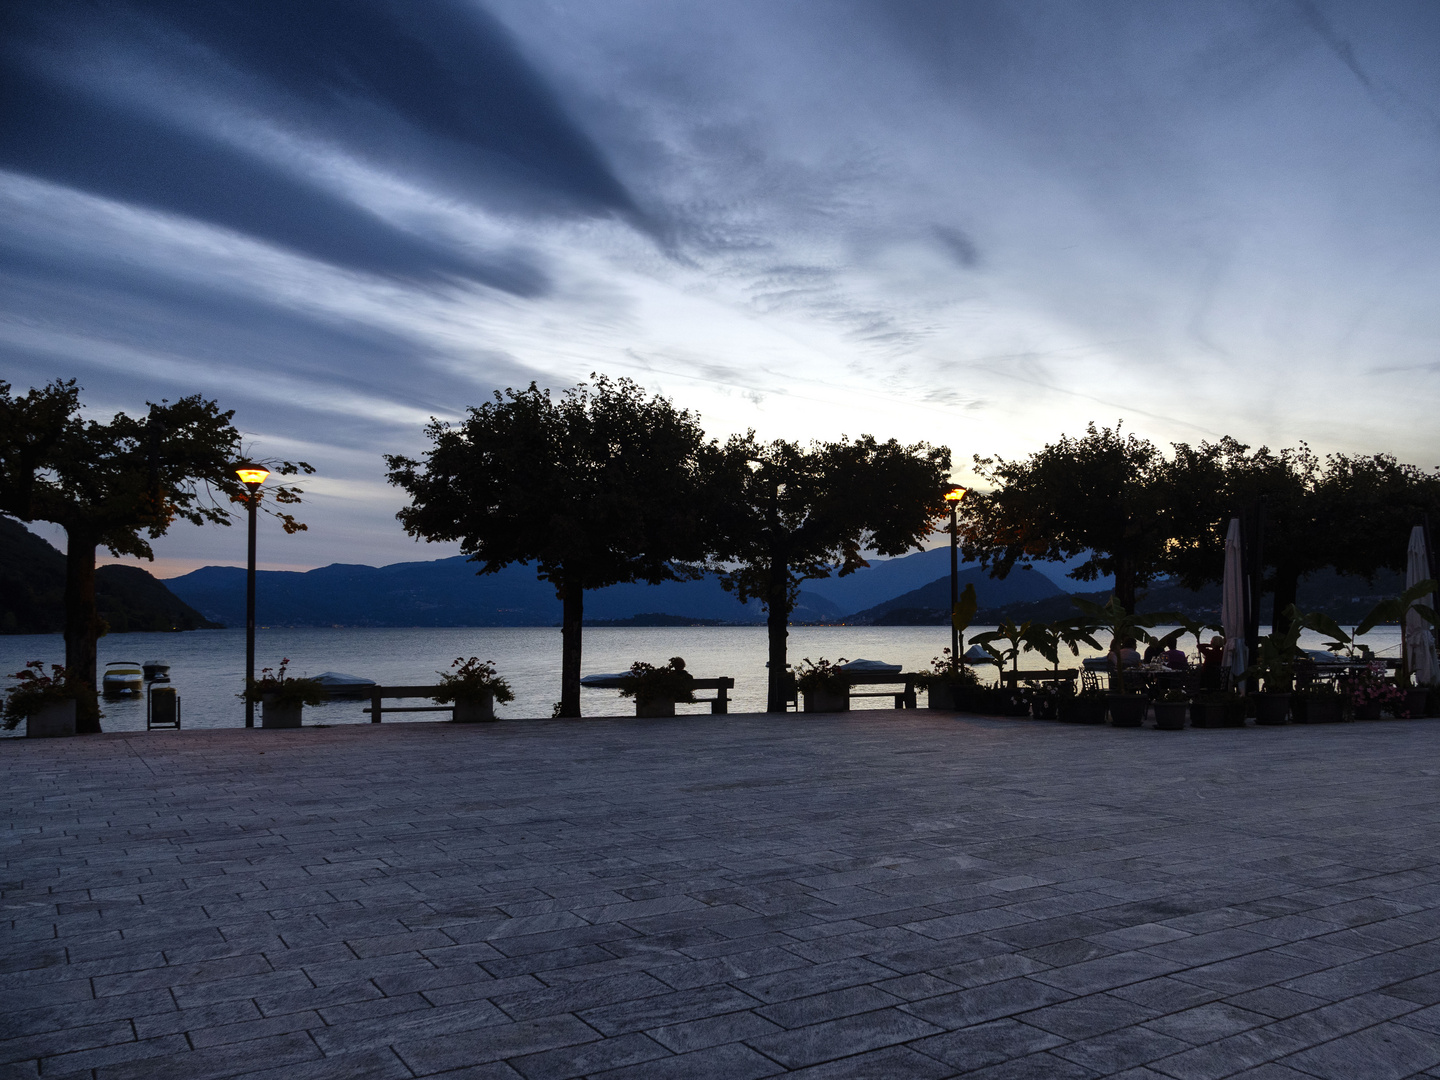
x,y
34,690
822,676
472,680
670,682
283,690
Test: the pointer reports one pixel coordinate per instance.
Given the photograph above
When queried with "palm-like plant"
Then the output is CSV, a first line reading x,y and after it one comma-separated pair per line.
x,y
1007,631
1183,625
1122,625
1393,609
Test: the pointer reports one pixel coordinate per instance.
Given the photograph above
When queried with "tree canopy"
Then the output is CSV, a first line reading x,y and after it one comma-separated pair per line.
x,y
119,484
780,514
597,487
1105,495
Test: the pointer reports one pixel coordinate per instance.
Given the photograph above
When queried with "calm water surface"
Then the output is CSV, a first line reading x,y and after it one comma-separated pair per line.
x,y
207,666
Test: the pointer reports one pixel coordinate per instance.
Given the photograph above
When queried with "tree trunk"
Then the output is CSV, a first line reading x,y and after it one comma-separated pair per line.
x,y
572,597
82,626
777,622
1125,583
1287,584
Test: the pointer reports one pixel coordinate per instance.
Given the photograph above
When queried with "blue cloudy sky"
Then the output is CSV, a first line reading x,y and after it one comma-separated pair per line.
x,y
977,223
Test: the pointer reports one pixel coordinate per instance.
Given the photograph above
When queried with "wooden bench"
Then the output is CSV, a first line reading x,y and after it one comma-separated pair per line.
x,y
719,704
905,699
377,694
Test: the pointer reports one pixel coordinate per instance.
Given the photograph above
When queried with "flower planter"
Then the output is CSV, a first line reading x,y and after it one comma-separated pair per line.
x,y
654,708
1271,710
275,714
826,701
1416,702
52,722
1045,706
474,710
942,695
1083,710
1170,715
1126,710
1316,710
1370,710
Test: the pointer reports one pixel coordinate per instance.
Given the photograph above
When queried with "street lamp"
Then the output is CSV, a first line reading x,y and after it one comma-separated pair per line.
x,y
252,476
954,497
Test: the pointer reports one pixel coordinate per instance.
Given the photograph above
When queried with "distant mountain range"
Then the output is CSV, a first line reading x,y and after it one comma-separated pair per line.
x,y
32,591
448,592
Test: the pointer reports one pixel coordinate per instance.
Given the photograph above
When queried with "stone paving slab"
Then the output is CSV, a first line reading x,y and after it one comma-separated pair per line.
x,y
880,894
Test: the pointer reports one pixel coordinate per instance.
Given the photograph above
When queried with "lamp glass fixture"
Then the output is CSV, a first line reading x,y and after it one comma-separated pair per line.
x,y
252,474
955,494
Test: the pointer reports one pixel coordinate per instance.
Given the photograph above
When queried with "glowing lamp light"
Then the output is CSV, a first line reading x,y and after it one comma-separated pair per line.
x,y
253,475
955,495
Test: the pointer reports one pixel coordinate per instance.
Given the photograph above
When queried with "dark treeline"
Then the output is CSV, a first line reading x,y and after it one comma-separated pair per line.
x,y
1140,513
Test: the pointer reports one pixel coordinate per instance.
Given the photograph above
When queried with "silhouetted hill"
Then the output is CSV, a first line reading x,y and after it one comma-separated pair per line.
x,y
929,605
32,591
448,592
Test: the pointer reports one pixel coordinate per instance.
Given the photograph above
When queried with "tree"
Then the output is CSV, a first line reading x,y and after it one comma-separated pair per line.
x,y
597,488
117,484
1106,495
780,514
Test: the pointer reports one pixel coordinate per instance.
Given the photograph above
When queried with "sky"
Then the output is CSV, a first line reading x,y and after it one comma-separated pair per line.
x,y
978,224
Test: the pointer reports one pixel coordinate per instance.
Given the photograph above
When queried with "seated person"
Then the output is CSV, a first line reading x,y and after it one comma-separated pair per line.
x,y
1175,660
1125,654
1154,651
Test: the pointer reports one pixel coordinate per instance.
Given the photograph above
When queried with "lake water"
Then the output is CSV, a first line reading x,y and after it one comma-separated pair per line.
x,y
207,666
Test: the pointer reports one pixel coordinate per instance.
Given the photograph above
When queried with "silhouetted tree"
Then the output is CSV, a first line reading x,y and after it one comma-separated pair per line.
x,y
117,484
1106,495
597,488
781,514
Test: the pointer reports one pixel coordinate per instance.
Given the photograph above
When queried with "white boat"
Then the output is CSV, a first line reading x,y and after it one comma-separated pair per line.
x,y
156,671
122,677
340,685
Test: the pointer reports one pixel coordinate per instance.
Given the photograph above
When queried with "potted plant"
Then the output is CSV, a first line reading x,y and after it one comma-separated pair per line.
x,y
824,687
656,690
282,698
1217,708
1127,709
1318,703
1274,668
948,685
1370,693
1394,610
474,687
1045,702
1086,707
45,702
1170,709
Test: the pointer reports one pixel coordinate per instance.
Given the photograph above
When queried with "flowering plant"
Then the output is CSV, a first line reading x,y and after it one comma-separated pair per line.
x,y
469,680
669,682
941,671
280,689
1368,686
34,690
822,676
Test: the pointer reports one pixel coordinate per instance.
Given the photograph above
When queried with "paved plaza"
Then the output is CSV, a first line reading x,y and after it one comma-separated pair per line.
x,y
879,895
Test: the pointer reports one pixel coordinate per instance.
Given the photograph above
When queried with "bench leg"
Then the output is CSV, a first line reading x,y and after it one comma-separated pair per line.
x,y
375,708
721,705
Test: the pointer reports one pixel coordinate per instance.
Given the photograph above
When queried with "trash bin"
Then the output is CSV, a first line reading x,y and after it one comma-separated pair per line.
x,y
162,708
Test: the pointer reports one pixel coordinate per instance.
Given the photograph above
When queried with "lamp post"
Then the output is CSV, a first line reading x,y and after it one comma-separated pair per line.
x,y
954,497
252,476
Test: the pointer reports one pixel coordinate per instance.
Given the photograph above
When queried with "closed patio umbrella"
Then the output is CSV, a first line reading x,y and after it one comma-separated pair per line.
x,y
1232,603
1419,643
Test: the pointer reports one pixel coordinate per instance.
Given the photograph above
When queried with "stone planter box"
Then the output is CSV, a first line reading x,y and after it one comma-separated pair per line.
x,y
941,695
654,708
1305,710
1417,702
1045,706
52,722
475,710
1271,710
824,701
1127,710
275,715
1170,715
1081,710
